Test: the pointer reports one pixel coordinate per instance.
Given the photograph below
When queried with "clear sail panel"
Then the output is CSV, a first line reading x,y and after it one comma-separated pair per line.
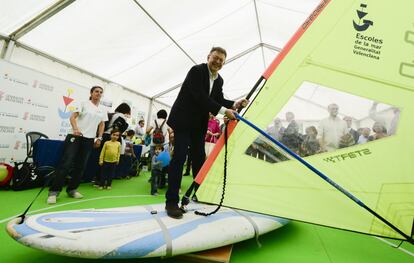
x,y
318,119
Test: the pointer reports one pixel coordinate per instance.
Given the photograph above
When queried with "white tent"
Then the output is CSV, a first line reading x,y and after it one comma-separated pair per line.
x,y
147,46
139,51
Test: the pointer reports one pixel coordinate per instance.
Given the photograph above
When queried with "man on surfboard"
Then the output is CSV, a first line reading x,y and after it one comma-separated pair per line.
x,y
201,93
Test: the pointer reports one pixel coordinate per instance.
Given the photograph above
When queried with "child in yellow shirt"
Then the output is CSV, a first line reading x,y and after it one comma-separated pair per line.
x,y
109,159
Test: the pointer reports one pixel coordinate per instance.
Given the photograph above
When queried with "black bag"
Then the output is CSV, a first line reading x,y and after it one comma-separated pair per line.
x,y
120,124
25,177
158,135
110,115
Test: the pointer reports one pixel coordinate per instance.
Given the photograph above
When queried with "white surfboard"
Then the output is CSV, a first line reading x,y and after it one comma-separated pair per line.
x,y
138,231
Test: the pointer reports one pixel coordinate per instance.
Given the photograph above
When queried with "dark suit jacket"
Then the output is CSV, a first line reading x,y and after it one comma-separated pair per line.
x,y
193,103
354,134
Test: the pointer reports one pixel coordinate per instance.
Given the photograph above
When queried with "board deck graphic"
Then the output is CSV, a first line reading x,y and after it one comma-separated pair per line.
x,y
138,231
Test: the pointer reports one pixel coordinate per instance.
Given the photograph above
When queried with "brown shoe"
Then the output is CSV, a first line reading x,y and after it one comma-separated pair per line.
x,y
174,211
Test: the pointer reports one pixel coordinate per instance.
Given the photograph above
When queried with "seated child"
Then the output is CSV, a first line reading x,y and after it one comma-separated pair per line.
x,y
109,159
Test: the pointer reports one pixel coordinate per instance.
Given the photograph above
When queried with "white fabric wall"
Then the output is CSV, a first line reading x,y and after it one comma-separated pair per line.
x,y
139,105
15,117
33,101
155,107
113,93
29,59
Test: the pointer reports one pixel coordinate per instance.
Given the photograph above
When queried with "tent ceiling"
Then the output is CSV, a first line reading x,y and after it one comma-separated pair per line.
x,y
148,46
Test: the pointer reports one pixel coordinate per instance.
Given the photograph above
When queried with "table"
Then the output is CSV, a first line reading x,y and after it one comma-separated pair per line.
x,y
48,152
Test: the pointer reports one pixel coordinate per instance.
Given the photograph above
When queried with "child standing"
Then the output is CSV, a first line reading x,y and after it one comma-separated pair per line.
x,y
129,154
109,159
156,169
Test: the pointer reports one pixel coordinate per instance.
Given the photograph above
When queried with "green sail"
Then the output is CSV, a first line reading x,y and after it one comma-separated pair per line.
x,y
365,66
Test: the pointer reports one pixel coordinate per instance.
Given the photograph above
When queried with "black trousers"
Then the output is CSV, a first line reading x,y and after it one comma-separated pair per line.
x,y
108,172
188,167
155,176
76,152
183,140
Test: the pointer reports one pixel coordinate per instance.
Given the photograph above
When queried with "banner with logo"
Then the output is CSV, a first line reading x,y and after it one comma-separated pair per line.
x,y
33,101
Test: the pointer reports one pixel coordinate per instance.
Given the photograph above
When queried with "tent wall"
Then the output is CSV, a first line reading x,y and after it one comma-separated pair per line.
x,y
63,77
155,107
29,59
113,92
33,101
139,105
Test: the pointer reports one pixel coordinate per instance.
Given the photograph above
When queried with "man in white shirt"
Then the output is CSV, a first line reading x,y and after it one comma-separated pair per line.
x,y
331,129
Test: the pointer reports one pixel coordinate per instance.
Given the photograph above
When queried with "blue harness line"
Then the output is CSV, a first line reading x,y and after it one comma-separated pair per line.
x,y
324,177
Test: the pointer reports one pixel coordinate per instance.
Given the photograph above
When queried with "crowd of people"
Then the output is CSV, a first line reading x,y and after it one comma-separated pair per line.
x,y
330,134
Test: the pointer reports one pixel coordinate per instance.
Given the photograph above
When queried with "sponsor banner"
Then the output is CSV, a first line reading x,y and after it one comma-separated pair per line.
x,y
33,101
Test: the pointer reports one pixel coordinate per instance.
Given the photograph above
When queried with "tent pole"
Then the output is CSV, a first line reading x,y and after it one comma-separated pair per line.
x,y
149,111
9,50
39,19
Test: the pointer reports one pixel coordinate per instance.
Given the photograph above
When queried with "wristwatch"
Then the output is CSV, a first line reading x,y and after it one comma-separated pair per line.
x,y
99,138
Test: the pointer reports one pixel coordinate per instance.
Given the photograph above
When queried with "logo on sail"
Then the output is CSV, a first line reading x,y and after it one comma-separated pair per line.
x,y
406,68
366,45
362,24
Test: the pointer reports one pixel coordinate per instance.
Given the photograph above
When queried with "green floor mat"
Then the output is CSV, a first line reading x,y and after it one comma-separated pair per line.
x,y
296,242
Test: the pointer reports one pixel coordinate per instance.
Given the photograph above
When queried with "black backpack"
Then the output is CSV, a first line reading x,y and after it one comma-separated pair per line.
x,y
25,177
158,135
120,124
110,115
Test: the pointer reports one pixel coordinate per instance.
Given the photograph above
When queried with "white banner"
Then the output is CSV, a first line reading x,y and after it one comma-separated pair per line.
x,y
33,101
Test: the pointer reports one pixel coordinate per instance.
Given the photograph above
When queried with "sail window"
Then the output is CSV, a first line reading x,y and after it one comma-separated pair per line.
x,y
318,119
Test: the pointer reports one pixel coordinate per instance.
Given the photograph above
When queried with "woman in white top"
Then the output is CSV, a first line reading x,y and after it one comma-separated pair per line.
x,y
86,119
123,111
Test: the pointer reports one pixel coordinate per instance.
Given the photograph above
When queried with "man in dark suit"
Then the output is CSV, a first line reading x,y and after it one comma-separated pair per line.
x,y
200,94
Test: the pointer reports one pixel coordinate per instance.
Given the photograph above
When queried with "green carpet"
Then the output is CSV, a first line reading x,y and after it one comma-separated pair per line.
x,y
296,242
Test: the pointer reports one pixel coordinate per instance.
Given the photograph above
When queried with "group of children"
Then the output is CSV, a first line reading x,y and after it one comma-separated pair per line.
x,y
110,156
